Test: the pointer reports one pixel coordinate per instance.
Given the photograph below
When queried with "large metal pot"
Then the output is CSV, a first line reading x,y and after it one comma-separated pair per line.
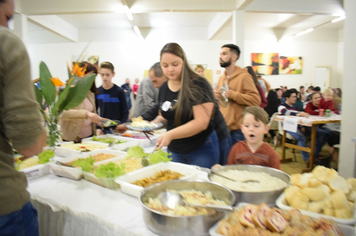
x,y
164,224
268,197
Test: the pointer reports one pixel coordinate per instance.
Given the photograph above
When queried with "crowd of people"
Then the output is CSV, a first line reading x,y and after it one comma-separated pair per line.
x,y
206,126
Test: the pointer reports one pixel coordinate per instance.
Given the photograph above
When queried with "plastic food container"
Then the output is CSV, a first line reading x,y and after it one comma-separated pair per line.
x,y
36,171
104,182
345,229
65,152
129,142
75,173
126,181
281,203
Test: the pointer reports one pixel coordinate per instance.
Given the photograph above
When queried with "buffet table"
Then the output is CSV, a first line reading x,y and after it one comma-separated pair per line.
x,y
311,121
70,207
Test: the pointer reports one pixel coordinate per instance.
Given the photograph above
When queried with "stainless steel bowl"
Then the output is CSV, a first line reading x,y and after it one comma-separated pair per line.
x,y
268,197
164,224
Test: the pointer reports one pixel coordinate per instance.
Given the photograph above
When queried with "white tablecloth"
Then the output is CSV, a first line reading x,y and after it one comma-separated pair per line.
x,y
71,208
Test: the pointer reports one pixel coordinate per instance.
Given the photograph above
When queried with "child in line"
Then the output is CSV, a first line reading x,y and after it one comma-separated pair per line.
x,y
111,101
327,101
253,151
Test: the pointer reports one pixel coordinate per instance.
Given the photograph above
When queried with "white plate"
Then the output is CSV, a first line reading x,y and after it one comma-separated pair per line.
x,y
152,127
345,229
281,203
126,181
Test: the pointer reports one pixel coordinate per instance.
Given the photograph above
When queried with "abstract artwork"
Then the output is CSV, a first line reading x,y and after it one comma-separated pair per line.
x,y
290,65
265,63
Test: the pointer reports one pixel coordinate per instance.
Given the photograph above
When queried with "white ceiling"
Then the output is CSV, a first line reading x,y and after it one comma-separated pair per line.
x,y
149,14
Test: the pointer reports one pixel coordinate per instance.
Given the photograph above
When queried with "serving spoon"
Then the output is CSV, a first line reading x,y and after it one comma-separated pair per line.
x,y
172,199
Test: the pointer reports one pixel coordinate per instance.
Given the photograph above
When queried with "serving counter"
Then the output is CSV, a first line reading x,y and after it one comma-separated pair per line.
x,y
80,208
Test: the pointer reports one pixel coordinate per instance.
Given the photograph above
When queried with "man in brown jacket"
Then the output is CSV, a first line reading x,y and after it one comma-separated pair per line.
x,y
235,91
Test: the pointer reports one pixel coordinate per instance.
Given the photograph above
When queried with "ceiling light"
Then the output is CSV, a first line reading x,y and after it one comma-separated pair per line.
x,y
137,30
338,19
304,32
128,13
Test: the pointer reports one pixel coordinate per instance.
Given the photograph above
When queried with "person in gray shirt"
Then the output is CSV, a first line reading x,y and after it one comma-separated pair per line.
x,y
147,94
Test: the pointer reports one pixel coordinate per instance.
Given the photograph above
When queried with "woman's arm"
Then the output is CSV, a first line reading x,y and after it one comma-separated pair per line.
x,y
202,115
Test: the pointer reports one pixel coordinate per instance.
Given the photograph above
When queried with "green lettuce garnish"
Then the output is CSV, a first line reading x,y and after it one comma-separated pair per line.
x,y
85,163
110,170
136,151
107,140
45,156
159,156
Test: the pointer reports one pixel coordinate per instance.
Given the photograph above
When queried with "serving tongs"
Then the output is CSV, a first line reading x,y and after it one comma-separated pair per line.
x,y
63,164
209,171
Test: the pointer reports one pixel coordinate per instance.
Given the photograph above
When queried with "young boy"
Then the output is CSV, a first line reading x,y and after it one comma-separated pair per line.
x,y
253,151
111,101
327,101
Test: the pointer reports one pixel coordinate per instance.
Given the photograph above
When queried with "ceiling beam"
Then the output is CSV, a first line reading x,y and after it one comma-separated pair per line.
x,y
56,25
242,4
219,20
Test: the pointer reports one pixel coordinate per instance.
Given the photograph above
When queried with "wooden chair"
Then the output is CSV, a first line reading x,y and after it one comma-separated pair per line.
x,y
289,138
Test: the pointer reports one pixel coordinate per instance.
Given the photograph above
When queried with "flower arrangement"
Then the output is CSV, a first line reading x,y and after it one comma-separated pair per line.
x,y
59,97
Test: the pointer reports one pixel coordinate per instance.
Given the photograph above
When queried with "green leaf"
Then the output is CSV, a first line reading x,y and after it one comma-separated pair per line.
x,y
77,93
159,156
110,170
47,87
85,163
135,151
39,95
45,156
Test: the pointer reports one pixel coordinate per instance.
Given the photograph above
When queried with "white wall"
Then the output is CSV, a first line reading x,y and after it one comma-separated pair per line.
x,y
131,56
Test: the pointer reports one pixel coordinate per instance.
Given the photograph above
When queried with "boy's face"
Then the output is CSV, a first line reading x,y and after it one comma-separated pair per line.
x,y
327,97
253,130
106,75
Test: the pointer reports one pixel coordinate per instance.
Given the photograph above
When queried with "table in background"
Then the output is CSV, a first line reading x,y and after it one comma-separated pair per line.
x,y
311,121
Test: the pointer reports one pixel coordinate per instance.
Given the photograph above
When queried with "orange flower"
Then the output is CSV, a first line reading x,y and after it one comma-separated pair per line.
x,y
57,82
78,71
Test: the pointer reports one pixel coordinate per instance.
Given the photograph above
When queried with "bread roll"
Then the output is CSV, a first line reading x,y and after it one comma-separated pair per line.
x,y
290,193
314,194
294,179
304,180
324,174
325,188
351,196
329,212
338,183
314,182
316,207
343,213
339,200
352,181
300,201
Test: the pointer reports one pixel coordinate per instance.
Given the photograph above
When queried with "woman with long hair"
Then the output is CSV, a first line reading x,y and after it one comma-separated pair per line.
x,y
258,86
80,122
186,106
